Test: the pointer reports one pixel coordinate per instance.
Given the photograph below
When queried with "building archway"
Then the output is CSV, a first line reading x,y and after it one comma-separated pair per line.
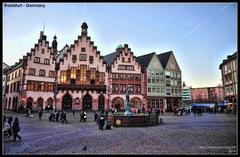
x,y
135,102
40,103
67,102
87,102
49,104
118,103
101,101
29,103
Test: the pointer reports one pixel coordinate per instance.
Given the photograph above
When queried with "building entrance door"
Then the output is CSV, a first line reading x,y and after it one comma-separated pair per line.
x,y
87,102
67,102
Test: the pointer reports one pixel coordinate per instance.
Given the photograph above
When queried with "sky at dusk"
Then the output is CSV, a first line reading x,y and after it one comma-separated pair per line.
x,y
201,35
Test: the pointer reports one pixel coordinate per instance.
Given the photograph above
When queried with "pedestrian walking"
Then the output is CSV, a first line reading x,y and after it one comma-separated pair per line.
x,y
81,116
16,129
85,116
73,111
10,119
57,116
95,115
7,128
64,118
101,121
40,114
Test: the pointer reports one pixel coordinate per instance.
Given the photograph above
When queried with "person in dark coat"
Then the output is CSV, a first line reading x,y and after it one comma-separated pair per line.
x,y
10,119
57,116
64,118
40,114
81,116
95,115
101,121
16,129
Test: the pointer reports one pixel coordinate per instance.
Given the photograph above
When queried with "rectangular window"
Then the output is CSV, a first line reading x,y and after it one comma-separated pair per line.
x,y
123,59
83,49
153,103
41,72
50,86
92,73
102,78
138,77
83,74
130,86
149,90
37,60
43,51
30,85
137,88
52,74
153,90
122,76
91,59
73,72
129,67
149,80
148,103
157,103
46,61
129,60
153,80
32,71
121,67
74,58
41,86
63,76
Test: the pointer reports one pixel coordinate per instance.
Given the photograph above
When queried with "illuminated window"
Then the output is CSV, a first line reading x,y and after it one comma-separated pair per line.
x,y
63,76
73,73
30,85
102,78
41,86
93,73
83,74
50,86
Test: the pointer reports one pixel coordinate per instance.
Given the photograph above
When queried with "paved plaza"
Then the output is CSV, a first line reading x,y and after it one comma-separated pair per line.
x,y
187,134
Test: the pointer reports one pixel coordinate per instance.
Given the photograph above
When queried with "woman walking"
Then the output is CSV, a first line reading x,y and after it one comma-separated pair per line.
x,y
16,129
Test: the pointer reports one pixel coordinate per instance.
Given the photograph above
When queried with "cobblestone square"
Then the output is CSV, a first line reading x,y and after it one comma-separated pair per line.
x,y
187,134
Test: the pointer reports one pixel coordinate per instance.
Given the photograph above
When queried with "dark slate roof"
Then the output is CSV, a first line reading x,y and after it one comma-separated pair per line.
x,y
110,58
144,60
229,57
164,57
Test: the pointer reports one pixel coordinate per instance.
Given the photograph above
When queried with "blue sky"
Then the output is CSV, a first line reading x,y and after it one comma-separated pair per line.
x,y
201,35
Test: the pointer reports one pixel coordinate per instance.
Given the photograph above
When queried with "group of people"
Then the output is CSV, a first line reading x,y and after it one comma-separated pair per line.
x,y
180,112
54,116
11,129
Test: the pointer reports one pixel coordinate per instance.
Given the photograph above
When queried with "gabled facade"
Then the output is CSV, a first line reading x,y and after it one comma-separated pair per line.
x,y
82,76
229,71
38,75
124,72
173,80
154,80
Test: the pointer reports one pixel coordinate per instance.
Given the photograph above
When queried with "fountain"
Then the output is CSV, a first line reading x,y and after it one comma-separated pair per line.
x,y
131,119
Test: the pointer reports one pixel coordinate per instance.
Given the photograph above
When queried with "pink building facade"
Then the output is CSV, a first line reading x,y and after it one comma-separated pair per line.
x,y
207,94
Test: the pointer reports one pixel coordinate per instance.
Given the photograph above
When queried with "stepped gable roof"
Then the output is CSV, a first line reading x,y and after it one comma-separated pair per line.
x,y
164,57
109,59
144,60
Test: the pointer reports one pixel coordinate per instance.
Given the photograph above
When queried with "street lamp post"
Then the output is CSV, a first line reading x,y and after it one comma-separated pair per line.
x,y
55,88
